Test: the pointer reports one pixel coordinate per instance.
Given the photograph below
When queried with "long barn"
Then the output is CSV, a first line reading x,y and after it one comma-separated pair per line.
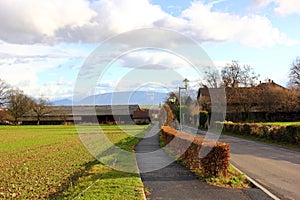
x,y
103,114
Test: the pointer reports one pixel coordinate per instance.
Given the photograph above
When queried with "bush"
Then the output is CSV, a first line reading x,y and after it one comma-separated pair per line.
x,y
288,134
187,148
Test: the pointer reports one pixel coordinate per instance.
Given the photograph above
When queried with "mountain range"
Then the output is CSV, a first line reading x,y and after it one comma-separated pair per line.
x,y
118,98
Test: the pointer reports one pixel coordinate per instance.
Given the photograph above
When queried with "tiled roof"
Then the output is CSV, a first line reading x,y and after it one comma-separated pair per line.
x,y
92,110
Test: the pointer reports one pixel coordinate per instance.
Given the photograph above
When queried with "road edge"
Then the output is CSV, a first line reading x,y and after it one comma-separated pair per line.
x,y
258,185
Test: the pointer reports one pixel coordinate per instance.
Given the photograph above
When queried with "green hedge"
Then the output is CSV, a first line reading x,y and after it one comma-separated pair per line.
x,y
288,134
187,146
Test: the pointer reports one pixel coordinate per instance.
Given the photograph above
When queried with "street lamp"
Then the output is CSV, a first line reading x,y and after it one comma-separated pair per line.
x,y
185,83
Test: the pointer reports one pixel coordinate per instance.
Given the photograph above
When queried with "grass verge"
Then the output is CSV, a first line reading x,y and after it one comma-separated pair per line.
x,y
102,182
234,179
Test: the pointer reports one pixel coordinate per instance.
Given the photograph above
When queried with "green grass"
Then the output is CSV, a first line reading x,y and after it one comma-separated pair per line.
x,y
51,162
102,182
281,123
234,179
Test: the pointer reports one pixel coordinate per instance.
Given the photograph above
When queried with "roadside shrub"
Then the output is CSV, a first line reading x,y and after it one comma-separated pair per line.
x,y
236,128
246,129
187,147
257,130
293,134
288,134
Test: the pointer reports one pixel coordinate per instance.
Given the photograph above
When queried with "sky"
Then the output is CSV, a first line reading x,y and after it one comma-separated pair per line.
x,y
46,46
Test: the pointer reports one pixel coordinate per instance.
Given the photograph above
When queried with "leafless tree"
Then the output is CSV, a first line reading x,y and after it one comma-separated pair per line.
x,y
295,74
278,99
19,104
4,93
41,108
241,100
238,81
212,79
236,75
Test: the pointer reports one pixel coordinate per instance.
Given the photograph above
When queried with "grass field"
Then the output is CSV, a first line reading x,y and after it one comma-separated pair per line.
x,y
282,123
51,162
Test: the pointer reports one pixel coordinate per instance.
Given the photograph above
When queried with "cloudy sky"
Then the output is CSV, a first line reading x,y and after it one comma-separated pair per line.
x,y
44,44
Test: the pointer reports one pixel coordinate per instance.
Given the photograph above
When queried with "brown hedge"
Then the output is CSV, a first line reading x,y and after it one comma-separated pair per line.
x,y
287,134
187,148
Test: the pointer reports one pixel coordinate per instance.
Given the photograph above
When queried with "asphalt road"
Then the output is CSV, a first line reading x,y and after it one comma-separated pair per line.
x,y
167,179
274,167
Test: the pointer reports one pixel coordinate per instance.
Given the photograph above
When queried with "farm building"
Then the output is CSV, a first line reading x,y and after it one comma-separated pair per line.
x,y
141,116
267,101
104,114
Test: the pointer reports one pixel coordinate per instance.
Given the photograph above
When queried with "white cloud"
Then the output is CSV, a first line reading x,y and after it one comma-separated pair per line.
x,y
286,7
64,81
114,17
161,59
26,66
81,20
282,7
251,30
199,21
33,21
261,3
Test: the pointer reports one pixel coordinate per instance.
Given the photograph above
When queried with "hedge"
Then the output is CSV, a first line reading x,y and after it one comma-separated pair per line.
x,y
288,134
187,148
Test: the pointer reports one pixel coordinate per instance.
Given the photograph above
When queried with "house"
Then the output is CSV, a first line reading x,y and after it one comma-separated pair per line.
x,y
267,101
103,114
141,116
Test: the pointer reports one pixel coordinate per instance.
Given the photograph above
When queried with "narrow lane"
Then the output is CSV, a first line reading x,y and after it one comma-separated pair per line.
x,y
276,168
167,179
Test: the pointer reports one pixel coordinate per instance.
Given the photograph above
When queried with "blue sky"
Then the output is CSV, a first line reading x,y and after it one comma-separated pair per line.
x,y
43,47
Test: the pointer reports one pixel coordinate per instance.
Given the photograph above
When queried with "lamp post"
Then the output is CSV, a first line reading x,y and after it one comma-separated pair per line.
x,y
185,83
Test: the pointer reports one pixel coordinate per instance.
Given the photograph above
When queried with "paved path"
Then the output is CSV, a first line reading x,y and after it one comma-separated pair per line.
x,y
276,168
177,182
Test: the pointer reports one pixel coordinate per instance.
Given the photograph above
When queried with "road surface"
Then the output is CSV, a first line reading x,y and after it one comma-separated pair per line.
x,y
276,168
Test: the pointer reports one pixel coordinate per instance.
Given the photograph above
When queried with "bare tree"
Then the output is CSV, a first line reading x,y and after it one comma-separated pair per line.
x,y
19,104
212,79
236,75
241,100
40,108
4,93
295,74
278,99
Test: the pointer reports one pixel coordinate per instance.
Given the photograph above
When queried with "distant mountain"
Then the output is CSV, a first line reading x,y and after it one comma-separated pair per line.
x,y
119,98
62,102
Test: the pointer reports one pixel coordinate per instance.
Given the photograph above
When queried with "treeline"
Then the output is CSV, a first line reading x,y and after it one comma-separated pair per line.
x,y
246,96
14,104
